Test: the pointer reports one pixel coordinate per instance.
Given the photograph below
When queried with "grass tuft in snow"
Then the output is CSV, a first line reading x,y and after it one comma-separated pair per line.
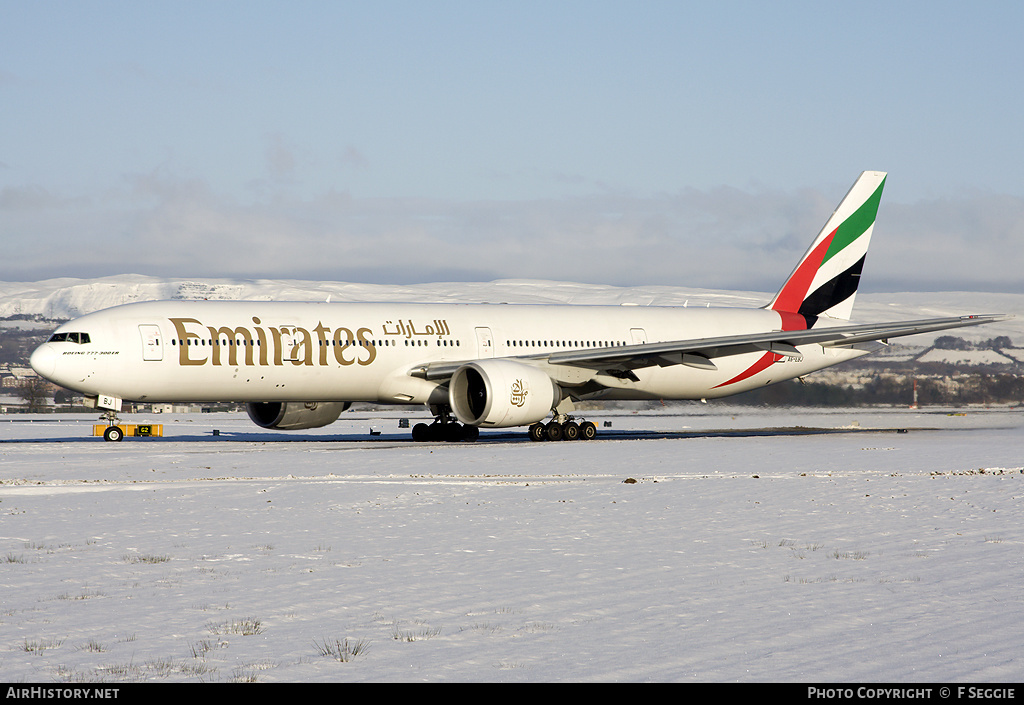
x,y
156,668
40,645
94,647
850,555
201,648
84,595
399,634
249,672
144,558
343,651
247,626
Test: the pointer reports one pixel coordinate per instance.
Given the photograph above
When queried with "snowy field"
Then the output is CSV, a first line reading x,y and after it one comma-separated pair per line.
x,y
838,545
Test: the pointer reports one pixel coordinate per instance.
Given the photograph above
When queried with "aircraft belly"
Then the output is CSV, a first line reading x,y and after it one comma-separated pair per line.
x,y
159,382
401,388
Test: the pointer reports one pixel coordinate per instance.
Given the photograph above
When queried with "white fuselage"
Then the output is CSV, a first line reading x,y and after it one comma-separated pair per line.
x,y
247,351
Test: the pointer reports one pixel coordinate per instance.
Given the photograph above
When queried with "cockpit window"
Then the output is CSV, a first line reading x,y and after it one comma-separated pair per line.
x,y
80,338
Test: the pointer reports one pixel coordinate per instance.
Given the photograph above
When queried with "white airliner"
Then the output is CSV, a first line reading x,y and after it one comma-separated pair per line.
x,y
299,365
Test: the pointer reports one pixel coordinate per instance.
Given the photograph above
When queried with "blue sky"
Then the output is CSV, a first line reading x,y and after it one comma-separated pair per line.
x,y
697,144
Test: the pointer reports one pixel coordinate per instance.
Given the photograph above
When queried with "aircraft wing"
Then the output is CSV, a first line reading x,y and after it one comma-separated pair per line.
x,y
781,342
699,352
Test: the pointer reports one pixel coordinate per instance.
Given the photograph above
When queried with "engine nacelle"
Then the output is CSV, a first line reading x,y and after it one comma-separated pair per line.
x,y
292,416
501,393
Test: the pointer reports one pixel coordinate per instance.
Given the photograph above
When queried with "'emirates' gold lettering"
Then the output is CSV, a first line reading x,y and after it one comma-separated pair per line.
x,y
252,346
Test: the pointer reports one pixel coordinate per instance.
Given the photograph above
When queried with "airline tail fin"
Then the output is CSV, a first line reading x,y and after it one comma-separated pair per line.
x,y
825,281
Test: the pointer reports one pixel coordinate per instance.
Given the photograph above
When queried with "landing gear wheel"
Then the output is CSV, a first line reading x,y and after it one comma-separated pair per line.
x,y
571,431
437,431
113,433
553,431
444,428
537,432
588,430
453,432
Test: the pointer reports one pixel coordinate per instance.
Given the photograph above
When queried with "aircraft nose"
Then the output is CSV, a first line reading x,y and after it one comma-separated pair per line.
x,y
44,360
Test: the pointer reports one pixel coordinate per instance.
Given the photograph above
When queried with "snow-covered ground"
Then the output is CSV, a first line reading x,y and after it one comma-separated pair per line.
x,y
966,357
845,545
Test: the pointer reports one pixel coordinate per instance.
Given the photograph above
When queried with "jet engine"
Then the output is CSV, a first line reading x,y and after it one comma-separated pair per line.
x,y
292,416
501,393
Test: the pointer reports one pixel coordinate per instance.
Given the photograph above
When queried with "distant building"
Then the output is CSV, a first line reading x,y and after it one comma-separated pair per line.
x,y
15,376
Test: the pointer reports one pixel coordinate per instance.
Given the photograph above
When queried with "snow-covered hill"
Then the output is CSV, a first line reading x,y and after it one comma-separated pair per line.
x,y
64,298
68,298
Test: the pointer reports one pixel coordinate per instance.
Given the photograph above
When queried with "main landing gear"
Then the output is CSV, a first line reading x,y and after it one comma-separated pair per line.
x,y
564,429
444,428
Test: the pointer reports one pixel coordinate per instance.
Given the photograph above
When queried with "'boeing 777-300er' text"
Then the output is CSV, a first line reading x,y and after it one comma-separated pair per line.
x,y
299,365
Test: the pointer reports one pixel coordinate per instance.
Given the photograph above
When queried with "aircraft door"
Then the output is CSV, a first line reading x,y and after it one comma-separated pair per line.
x,y
484,343
289,344
152,349
639,335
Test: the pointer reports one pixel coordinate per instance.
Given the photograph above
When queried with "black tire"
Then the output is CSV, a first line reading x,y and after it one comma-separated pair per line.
x,y
553,431
537,432
571,431
452,432
470,433
421,433
588,431
113,433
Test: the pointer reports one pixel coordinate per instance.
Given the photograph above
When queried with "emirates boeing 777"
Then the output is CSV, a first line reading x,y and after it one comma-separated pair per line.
x,y
299,365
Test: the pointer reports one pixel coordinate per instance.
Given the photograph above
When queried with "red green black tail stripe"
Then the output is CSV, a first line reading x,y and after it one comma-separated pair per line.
x,y
795,295
817,285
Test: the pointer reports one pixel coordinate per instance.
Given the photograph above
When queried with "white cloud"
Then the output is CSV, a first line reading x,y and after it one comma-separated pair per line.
x,y
720,238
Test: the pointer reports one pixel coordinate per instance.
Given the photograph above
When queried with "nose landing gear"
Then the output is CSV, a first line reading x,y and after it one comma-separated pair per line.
x,y
113,431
